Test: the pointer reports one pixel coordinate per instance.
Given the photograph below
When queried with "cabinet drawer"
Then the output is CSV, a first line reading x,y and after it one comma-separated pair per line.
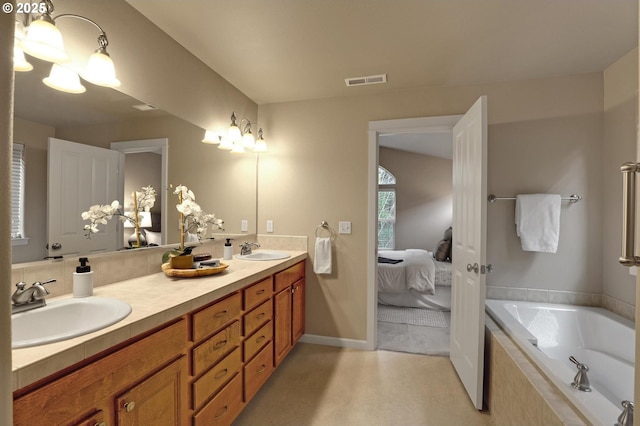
x,y
289,276
224,408
214,379
215,316
258,340
257,317
214,348
257,293
258,371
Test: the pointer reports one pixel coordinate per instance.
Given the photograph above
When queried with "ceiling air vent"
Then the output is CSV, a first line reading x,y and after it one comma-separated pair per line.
x,y
362,81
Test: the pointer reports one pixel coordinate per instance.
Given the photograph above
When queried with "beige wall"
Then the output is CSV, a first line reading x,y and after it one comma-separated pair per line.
x,y
424,201
34,136
619,146
544,135
6,139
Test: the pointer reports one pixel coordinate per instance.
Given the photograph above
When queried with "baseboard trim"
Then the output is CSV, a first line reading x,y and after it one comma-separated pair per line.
x,y
335,341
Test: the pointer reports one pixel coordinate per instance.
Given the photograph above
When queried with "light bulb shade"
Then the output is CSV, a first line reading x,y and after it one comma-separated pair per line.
x,y
260,146
44,41
19,61
225,144
248,140
234,133
238,148
211,137
100,70
64,79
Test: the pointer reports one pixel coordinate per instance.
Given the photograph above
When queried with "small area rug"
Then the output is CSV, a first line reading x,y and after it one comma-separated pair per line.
x,y
412,316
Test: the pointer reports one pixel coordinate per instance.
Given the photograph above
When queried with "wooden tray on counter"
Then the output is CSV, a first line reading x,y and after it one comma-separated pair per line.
x,y
190,273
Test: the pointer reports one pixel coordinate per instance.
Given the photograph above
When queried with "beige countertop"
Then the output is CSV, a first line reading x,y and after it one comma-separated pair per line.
x,y
154,299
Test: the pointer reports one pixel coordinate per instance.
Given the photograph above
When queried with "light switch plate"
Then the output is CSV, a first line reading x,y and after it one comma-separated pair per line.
x,y
269,226
244,225
344,227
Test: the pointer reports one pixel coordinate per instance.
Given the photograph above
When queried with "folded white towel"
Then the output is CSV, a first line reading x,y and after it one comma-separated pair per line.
x,y
322,256
538,221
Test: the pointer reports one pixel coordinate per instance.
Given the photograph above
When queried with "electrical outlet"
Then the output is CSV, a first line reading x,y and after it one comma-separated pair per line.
x,y
244,225
344,227
270,226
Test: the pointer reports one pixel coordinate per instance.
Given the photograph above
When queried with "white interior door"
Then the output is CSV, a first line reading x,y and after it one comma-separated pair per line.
x,y
469,257
80,176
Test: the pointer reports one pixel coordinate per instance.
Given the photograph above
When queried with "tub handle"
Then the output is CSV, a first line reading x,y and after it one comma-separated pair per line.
x,y
628,257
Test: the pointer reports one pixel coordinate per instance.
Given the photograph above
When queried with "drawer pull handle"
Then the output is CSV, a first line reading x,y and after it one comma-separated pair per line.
x,y
259,292
223,412
260,315
260,339
220,314
129,406
100,424
221,374
220,345
262,368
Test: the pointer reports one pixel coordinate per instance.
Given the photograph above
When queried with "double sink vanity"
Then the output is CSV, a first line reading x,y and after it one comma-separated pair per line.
x,y
190,351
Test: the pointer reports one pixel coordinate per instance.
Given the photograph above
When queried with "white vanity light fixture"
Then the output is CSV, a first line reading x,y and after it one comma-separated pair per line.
x,y
243,138
43,40
238,138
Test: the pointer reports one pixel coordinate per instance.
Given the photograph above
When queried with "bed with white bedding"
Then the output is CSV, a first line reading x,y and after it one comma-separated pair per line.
x,y
418,281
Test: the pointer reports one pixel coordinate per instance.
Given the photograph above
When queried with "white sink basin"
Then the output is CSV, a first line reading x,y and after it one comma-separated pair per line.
x,y
264,255
65,319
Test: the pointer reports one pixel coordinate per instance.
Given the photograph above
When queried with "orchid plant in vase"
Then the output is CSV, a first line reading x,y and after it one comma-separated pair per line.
x,y
100,214
193,219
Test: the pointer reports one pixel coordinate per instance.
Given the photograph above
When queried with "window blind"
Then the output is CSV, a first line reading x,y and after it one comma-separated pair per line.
x,y
17,191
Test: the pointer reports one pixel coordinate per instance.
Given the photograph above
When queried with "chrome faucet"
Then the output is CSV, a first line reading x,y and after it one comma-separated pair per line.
x,y
245,248
626,418
25,299
581,381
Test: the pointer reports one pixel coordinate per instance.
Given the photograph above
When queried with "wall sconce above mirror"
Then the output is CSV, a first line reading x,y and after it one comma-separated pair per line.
x,y
238,139
39,37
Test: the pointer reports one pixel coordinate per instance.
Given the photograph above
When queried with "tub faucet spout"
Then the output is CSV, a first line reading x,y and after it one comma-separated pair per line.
x,y
626,417
581,381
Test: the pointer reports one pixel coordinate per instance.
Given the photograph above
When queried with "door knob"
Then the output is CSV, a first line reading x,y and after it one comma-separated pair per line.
x,y
54,246
129,406
475,267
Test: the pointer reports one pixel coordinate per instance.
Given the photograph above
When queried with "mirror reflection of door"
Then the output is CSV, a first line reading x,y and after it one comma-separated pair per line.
x,y
80,176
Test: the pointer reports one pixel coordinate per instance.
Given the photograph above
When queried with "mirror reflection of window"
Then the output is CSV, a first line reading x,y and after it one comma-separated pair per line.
x,y
17,195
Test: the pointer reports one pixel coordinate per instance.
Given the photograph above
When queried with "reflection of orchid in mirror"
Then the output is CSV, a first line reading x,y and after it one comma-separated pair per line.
x,y
99,214
193,219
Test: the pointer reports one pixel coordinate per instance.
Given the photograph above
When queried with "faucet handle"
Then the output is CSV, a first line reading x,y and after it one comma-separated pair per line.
x,y
44,282
21,285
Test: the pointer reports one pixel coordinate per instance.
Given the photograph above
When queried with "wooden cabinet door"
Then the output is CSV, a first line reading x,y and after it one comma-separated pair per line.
x,y
160,400
282,324
297,294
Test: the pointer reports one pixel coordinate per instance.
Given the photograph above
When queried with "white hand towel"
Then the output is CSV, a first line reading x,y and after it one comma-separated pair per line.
x,y
322,256
538,221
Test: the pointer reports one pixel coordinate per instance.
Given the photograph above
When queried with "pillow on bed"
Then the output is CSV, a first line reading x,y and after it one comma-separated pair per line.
x,y
442,251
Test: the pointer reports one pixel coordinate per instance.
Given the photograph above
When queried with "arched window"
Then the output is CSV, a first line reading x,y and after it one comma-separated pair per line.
x,y
386,209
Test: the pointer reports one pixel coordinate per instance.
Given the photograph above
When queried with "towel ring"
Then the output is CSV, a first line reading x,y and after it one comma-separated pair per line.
x,y
325,226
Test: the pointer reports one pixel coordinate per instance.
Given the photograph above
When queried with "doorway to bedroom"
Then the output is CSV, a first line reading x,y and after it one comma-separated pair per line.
x,y
414,236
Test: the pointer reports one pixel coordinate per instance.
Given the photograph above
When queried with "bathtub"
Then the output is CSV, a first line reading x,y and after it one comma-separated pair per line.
x,y
550,333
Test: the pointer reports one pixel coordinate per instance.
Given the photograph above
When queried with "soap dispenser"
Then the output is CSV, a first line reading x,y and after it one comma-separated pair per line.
x,y
83,279
228,250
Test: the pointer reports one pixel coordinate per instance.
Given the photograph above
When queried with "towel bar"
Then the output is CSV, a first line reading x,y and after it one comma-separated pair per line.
x,y
573,198
628,257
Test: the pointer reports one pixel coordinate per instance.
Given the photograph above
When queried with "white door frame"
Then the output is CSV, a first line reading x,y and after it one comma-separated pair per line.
x,y
157,146
439,124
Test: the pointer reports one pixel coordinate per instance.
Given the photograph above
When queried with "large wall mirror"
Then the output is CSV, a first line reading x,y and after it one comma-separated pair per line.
x,y
224,183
